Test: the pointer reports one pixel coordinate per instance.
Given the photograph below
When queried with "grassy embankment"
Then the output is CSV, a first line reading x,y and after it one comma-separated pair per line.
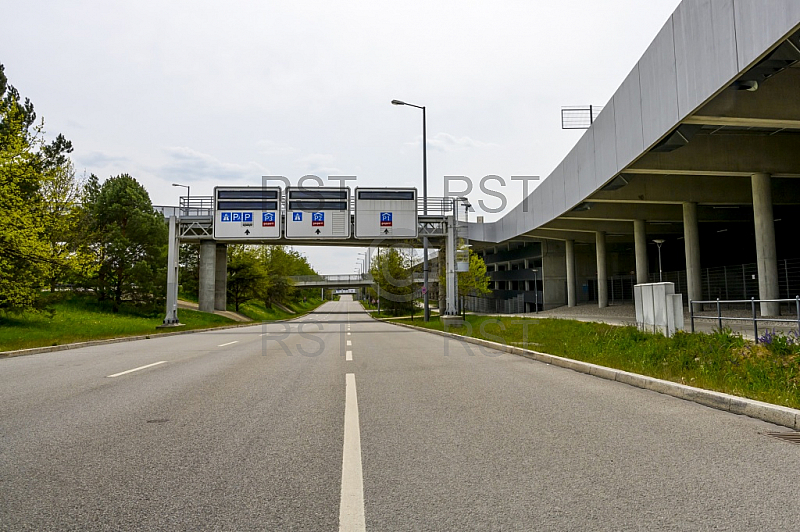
x,y
83,318
78,319
719,361
256,310
396,315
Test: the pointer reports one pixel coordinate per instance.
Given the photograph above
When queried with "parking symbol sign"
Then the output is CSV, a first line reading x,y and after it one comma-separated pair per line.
x,y
268,219
317,219
236,216
225,217
386,219
297,216
247,216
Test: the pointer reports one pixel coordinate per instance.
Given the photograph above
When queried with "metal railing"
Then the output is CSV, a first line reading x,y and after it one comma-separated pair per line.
x,y
201,206
487,305
736,281
754,315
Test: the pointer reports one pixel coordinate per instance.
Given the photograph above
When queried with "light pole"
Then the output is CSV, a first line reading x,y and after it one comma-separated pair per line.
x,y
366,261
427,310
658,242
188,195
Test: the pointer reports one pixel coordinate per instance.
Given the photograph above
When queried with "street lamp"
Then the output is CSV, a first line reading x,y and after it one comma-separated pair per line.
x,y
188,195
366,261
658,242
427,311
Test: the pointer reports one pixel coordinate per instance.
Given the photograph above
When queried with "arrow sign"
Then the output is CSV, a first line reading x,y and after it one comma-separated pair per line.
x,y
247,232
385,231
317,231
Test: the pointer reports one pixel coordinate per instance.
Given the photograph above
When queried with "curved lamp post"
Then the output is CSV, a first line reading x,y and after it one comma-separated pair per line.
x,y
427,311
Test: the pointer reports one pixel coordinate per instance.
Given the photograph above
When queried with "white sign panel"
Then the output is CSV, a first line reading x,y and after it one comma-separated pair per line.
x,y
317,213
247,213
386,213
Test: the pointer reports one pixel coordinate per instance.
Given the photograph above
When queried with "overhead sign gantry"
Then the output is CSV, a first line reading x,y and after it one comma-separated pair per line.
x,y
247,213
317,213
386,213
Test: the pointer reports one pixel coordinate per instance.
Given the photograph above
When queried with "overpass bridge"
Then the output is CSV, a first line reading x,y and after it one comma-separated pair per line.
x,y
345,281
332,281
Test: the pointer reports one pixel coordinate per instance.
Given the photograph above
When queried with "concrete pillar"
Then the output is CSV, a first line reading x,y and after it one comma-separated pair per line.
x,y
766,254
442,272
691,242
208,259
572,289
640,249
602,270
221,278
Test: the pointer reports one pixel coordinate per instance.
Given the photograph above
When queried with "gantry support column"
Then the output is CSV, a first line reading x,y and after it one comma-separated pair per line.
x,y
572,299
221,278
766,254
171,317
208,259
602,270
691,242
640,249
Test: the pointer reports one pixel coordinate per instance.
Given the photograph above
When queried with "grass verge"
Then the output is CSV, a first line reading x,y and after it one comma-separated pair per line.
x,y
720,361
79,319
257,311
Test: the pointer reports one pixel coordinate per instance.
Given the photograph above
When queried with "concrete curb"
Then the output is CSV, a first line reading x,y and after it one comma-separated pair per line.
x,y
779,415
91,343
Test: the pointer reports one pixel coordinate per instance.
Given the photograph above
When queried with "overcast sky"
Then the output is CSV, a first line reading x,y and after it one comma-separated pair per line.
x,y
221,93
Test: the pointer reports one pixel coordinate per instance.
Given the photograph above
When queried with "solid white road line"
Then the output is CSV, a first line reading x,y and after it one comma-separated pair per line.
x,y
137,369
348,355
229,343
351,508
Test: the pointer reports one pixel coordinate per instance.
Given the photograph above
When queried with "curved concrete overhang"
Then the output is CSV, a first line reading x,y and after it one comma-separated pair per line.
x,y
681,128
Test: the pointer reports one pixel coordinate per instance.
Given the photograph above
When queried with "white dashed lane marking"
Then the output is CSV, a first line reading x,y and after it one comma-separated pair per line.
x,y
137,369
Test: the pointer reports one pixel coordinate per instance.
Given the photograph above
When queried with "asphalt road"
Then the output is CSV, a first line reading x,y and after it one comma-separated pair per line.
x,y
273,428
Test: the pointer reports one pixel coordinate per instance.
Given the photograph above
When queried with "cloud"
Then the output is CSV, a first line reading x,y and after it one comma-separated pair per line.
x,y
270,147
188,164
100,159
319,164
449,143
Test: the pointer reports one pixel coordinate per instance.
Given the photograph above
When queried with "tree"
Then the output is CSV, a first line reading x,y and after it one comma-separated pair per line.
x,y
391,271
190,268
281,262
64,222
131,241
474,282
26,164
247,277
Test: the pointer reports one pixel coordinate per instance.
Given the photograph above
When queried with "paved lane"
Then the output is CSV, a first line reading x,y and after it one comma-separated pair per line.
x,y
241,437
244,429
